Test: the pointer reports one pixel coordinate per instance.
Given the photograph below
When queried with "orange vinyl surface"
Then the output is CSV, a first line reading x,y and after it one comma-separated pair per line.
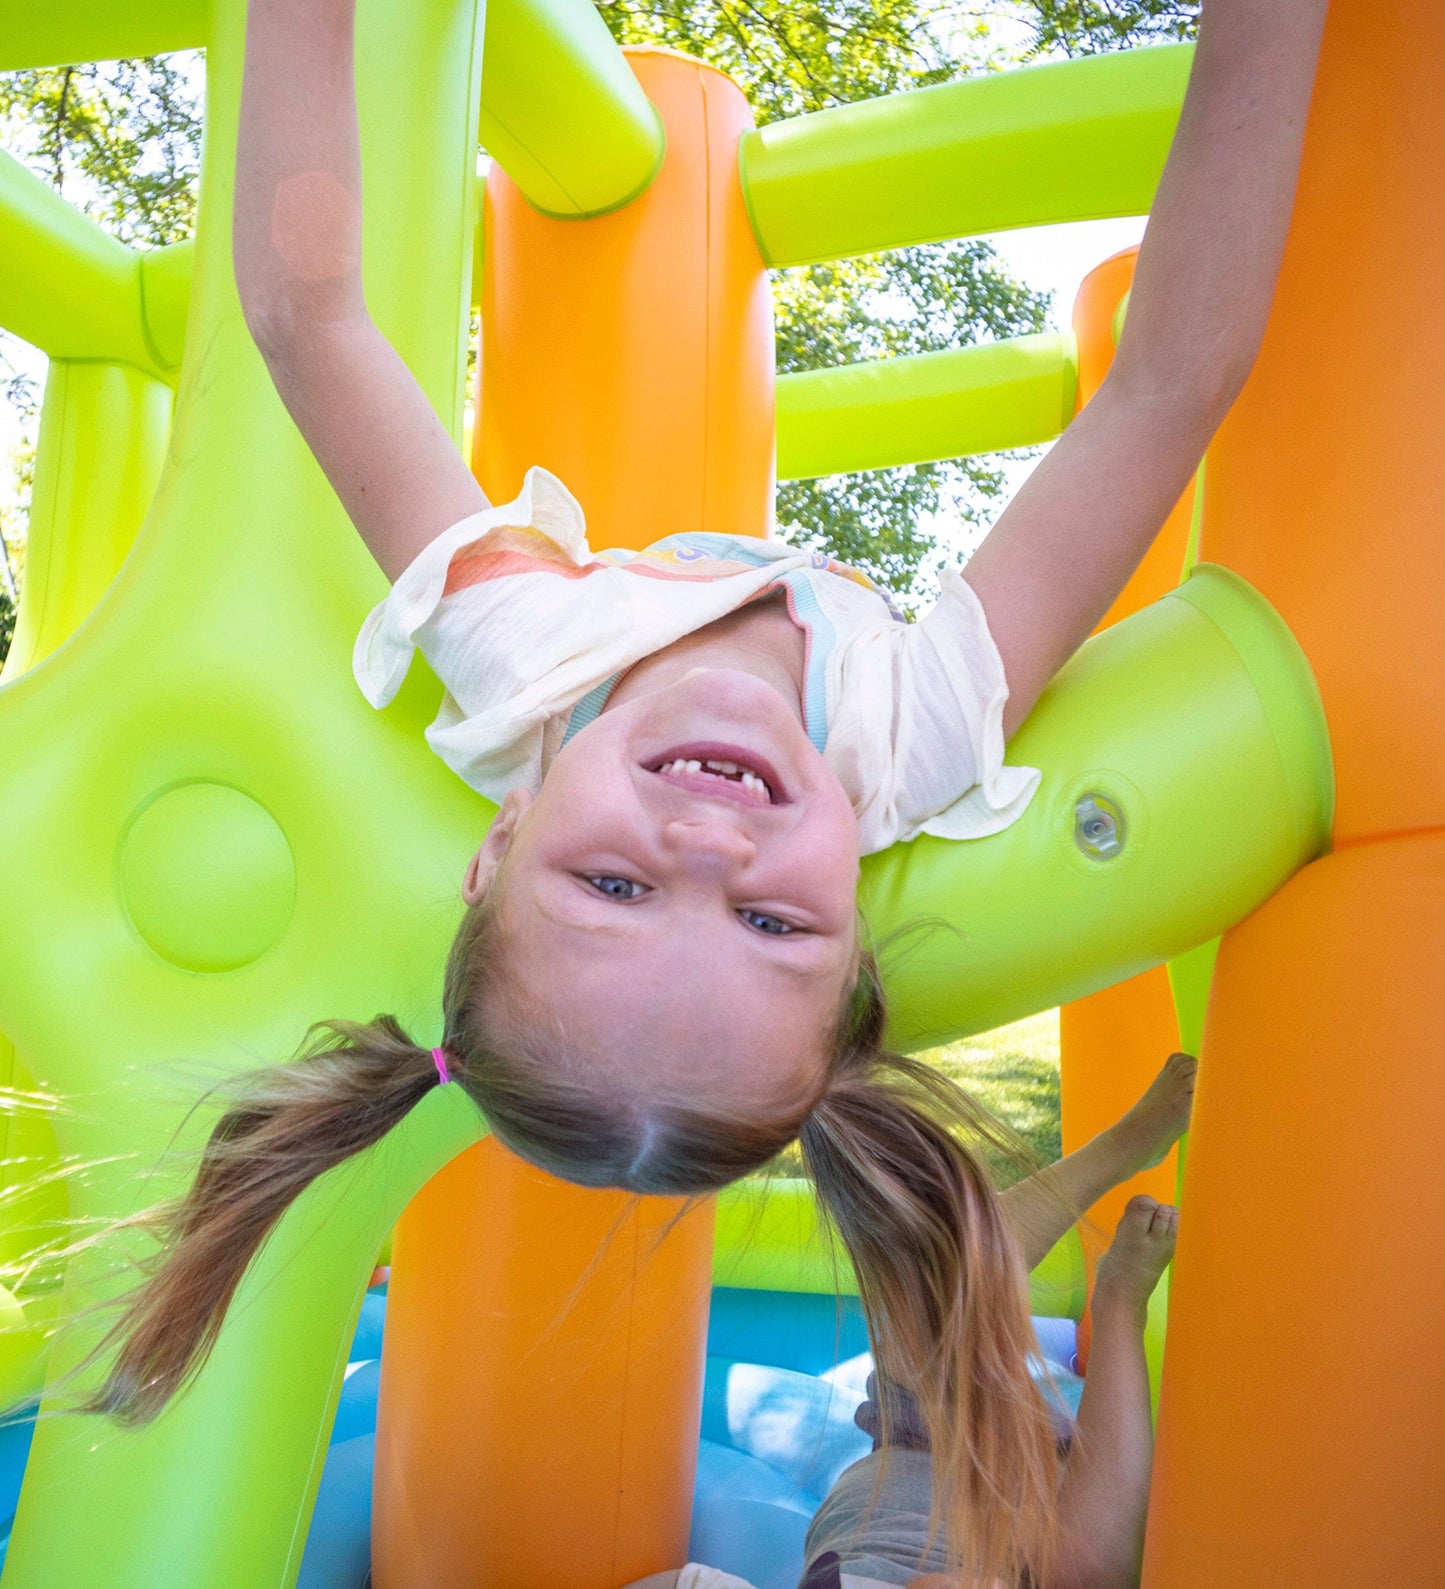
x,y
1300,1424
1299,1427
539,1417
1325,486
633,354
1112,1044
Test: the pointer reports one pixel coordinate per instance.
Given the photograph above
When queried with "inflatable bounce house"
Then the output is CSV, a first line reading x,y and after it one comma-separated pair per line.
x,y
210,840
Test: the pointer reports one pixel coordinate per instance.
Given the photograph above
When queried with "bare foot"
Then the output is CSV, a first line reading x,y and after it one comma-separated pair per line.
x,y
1161,1116
1140,1252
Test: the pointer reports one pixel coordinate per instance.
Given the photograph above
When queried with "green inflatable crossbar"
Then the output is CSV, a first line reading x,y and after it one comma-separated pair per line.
x,y
1195,730
1068,141
770,1238
560,109
65,285
925,406
63,32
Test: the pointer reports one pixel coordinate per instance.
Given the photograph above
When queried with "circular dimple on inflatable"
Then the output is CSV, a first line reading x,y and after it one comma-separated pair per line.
x,y
206,876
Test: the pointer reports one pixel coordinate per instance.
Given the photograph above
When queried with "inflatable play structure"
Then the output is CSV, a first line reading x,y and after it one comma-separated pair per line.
x,y
210,840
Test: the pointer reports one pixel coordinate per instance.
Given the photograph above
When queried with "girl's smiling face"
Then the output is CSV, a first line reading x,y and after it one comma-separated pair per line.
x,y
694,925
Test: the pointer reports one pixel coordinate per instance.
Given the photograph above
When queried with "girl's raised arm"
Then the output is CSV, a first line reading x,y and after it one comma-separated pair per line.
x,y
297,246
1064,548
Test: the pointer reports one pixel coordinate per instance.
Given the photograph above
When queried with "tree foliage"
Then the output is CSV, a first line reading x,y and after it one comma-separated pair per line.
x,y
914,301
7,619
792,60
1089,27
121,141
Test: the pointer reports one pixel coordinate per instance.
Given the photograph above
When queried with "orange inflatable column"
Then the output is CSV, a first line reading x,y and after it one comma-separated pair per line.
x,y
633,355
542,1378
1299,1433
1112,1043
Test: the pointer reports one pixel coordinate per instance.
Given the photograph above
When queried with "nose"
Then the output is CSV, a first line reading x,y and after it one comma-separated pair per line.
x,y
708,844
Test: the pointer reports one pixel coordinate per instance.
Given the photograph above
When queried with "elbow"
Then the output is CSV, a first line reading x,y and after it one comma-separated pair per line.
x,y
287,330
1192,397
1195,376
265,304
1217,386
285,312
271,327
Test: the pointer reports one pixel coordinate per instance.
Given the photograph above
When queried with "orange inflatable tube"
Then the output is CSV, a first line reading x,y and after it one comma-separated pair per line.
x,y
1311,1455
1112,1043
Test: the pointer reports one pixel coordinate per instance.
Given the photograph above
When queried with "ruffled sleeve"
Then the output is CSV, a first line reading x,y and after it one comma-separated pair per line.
x,y
1000,794
695,1576
918,738
542,524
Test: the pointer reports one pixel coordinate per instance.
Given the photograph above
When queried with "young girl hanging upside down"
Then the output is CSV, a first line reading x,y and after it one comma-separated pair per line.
x,y
659,980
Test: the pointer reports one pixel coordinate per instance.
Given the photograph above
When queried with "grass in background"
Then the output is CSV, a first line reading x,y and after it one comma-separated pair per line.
x,y
1013,1072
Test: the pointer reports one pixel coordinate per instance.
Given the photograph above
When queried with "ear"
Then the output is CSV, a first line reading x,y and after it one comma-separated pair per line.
x,y
484,865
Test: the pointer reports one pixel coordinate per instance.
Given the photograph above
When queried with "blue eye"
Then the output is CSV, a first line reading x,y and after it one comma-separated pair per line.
x,y
621,888
774,926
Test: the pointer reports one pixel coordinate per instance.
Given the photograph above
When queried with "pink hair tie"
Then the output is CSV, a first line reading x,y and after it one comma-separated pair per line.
x,y
439,1059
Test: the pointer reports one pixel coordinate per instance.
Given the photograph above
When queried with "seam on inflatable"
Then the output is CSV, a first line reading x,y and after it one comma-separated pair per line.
x,y
1432,830
1252,674
752,213
143,308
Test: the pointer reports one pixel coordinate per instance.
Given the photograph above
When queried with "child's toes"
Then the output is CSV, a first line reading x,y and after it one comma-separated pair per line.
x,y
1182,1069
1139,1212
1139,1254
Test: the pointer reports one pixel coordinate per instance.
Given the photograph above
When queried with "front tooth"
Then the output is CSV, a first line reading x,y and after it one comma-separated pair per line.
x,y
693,766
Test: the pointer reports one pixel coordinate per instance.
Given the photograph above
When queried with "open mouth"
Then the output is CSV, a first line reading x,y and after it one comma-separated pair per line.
x,y
724,771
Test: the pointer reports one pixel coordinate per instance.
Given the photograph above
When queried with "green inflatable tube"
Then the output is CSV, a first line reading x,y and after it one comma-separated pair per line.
x,y
1192,738
65,285
1068,141
770,1238
560,108
925,406
102,440
165,282
62,32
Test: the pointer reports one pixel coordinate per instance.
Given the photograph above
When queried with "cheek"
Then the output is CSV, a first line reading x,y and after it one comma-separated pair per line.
x,y
827,860
839,836
585,777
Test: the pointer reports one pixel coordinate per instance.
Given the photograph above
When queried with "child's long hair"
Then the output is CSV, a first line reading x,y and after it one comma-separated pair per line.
x,y
940,1277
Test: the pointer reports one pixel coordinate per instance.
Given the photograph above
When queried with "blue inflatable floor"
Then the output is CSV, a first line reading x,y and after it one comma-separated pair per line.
x,y
785,1374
